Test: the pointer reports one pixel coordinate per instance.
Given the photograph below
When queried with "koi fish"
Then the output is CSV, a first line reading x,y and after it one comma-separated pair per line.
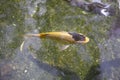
x,y
63,37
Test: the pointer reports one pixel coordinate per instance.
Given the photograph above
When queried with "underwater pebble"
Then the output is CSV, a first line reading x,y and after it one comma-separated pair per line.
x,y
118,40
14,24
25,71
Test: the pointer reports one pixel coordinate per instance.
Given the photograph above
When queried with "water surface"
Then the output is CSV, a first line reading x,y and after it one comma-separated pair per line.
x,y
41,59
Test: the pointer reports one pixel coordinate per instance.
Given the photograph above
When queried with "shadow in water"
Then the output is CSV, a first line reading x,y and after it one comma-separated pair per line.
x,y
115,28
93,73
110,64
8,70
56,71
110,59
68,75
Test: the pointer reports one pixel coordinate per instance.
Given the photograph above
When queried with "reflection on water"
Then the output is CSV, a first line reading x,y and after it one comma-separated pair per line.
x,y
41,59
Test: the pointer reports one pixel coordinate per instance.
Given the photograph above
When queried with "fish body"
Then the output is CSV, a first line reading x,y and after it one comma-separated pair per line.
x,y
64,37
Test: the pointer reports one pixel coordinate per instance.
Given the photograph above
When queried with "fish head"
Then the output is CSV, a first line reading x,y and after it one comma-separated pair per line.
x,y
86,40
79,38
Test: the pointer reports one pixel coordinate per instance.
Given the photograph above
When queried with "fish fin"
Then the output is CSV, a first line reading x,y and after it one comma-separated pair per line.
x,y
21,46
33,35
64,47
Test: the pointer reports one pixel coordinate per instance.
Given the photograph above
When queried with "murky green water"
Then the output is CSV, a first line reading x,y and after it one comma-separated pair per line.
x,y
41,59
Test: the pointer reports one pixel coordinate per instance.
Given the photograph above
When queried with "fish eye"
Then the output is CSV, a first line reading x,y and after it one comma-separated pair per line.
x,y
81,37
77,36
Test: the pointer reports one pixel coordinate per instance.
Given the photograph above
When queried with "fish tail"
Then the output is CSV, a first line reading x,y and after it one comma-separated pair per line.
x,y
41,35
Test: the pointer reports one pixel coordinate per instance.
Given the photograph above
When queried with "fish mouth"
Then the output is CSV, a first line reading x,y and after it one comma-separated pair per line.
x,y
85,41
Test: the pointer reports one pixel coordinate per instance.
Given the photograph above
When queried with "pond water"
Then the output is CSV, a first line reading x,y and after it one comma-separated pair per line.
x,y
41,59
